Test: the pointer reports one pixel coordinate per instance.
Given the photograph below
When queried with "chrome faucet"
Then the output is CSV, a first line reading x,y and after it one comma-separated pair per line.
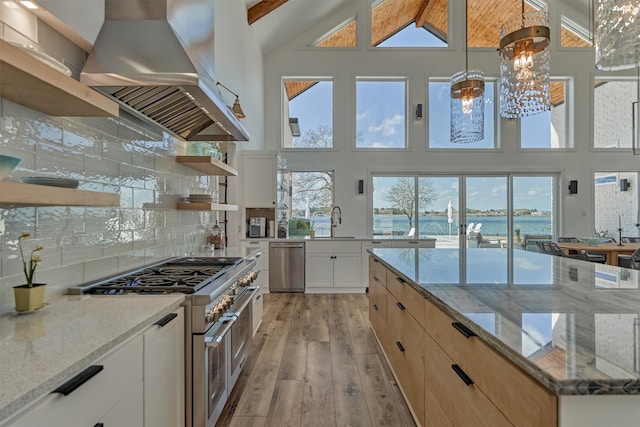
x,y
333,223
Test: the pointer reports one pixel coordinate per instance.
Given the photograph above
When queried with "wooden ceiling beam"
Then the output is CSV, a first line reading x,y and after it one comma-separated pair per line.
x,y
423,11
262,9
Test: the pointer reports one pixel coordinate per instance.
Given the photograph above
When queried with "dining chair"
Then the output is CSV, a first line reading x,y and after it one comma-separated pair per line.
x,y
598,257
629,239
630,261
553,249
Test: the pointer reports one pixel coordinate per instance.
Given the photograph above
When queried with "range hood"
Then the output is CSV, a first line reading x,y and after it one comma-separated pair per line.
x,y
155,57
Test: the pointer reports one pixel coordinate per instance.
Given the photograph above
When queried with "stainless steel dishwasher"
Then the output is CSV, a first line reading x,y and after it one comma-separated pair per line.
x,y
286,267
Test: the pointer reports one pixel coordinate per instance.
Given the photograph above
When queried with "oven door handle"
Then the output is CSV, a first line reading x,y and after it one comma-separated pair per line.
x,y
215,340
247,300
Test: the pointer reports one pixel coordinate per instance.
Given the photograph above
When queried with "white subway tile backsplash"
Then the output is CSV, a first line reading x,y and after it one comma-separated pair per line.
x,y
117,155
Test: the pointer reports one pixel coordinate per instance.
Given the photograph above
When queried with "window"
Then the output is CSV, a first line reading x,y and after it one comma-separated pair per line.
x,y
308,114
612,120
420,24
380,113
311,202
440,117
344,35
616,203
573,34
548,129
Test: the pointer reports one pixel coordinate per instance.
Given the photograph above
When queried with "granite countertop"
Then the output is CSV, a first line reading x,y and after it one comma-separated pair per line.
x,y
572,325
41,350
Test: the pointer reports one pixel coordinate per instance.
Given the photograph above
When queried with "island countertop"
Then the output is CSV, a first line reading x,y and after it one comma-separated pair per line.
x,y
572,325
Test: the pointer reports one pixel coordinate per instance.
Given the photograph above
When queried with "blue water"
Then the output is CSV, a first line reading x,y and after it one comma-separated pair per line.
x,y
438,225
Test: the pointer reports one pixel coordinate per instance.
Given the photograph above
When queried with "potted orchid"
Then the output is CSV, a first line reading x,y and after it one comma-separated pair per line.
x,y
30,296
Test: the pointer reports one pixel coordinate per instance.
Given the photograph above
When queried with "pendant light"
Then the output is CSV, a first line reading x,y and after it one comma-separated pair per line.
x,y
467,101
525,65
617,34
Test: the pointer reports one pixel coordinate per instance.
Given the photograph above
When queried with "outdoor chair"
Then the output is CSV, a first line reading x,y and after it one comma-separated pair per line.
x,y
529,241
590,256
551,248
630,261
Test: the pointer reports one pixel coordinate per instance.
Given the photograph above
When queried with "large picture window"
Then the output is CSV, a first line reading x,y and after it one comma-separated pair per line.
x,y
311,202
548,129
380,113
612,118
308,114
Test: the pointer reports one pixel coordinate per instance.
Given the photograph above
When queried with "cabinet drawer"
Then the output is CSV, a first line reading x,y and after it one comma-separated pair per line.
x,y
498,378
411,299
377,296
377,269
464,405
406,335
89,403
434,415
378,323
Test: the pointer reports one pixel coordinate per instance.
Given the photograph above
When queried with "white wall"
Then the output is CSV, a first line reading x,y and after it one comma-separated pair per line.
x,y
343,65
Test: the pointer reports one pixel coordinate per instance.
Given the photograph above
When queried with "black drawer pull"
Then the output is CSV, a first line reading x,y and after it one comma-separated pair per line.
x,y
166,319
468,333
400,306
400,346
463,376
99,425
401,280
375,306
375,278
75,382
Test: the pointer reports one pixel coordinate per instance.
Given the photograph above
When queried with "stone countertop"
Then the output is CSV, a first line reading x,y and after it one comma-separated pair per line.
x,y
570,324
43,349
342,239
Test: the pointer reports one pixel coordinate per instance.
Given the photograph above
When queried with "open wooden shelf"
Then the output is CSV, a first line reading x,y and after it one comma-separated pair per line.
x,y
18,194
206,206
29,82
207,165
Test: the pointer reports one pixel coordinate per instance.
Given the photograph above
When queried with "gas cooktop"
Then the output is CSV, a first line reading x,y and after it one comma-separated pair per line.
x,y
181,275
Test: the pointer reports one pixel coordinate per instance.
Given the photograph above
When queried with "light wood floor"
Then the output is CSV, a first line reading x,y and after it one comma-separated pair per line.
x,y
315,362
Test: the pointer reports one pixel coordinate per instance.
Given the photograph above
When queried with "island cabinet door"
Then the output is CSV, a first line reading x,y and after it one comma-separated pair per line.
x,y
523,400
405,350
455,393
410,299
377,307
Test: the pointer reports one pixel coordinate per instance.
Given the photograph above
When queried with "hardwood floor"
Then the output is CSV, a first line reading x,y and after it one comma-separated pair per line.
x,y
315,362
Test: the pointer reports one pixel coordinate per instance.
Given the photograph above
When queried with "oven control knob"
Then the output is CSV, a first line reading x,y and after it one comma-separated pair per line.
x,y
254,276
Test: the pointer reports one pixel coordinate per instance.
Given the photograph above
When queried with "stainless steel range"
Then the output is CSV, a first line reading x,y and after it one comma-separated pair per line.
x,y
218,335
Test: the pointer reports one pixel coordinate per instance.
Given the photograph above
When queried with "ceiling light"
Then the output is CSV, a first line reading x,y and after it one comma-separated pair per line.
x,y
237,109
467,101
525,65
10,4
616,34
29,4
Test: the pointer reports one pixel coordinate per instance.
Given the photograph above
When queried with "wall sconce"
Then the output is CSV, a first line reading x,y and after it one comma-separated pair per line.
x,y
295,126
361,186
237,109
418,111
573,187
624,184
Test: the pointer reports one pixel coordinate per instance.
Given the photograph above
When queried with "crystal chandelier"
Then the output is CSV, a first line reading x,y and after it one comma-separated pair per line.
x,y
467,102
617,34
524,65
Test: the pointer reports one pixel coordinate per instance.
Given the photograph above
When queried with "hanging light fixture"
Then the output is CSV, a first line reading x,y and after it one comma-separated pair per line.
x,y
467,101
525,65
237,109
617,34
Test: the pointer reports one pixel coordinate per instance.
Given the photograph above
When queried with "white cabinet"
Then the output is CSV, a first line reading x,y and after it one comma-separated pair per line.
x,y
257,310
138,383
259,175
107,382
164,349
262,262
333,267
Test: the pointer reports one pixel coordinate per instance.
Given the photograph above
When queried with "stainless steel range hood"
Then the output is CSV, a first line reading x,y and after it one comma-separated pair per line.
x,y
155,57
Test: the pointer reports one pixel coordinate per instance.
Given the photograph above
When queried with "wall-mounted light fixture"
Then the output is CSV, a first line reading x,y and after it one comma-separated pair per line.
x,y
237,109
418,111
295,126
624,184
361,186
573,187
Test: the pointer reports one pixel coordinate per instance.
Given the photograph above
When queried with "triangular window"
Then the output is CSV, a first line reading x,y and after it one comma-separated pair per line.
x,y
409,23
344,35
410,36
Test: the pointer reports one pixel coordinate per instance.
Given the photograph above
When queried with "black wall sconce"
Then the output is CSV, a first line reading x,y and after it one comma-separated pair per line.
x,y
624,184
361,186
418,111
573,187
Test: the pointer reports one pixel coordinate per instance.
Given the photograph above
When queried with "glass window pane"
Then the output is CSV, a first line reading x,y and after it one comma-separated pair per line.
x,y
612,118
311,203
548,129
440,117
308,114
389,20
532,208
342,36
486,199
614,207
438,209
393,205
574,35
380,114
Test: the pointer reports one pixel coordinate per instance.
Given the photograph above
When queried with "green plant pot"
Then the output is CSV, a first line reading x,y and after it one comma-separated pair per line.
x,y
29,299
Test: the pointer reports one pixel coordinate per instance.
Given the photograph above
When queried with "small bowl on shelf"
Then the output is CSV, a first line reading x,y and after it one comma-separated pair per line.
x,y
7,164
594,241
